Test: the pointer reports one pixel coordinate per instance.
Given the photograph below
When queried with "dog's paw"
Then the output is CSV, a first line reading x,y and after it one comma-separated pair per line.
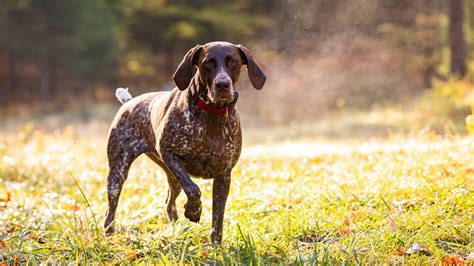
x,y
192,210
110,230
172,215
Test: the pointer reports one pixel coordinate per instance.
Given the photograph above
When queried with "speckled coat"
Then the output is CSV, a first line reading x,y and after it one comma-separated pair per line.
x,y
183,139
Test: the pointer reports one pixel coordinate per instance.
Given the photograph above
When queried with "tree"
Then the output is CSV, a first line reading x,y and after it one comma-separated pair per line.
x,y
457,42
74,37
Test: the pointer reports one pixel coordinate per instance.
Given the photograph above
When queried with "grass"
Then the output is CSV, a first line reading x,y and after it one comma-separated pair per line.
x,y
356,188
292,202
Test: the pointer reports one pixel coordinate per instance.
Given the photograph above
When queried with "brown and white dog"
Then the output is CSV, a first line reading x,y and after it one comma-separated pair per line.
x,y
193,130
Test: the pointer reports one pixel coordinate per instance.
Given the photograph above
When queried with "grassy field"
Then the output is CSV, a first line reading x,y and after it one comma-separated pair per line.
x,y
394,185
306,202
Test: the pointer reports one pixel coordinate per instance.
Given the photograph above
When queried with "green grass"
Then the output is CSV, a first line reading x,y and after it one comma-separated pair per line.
x,y
311,201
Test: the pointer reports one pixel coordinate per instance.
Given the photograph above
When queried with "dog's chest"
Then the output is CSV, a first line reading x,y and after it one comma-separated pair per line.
x,y
206,147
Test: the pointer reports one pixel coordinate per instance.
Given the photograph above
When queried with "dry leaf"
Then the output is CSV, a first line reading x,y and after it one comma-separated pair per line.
x,y
454,260
350,218
133,255
55,247
15,262
36,236
5,196
346,231
400,251
33,235
74,207
392,224
4,246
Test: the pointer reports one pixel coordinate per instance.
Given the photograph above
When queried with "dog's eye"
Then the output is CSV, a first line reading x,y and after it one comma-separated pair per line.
x,y
233,62
209,63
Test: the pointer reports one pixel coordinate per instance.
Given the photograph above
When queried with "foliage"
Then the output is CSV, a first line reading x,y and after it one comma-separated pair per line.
x,y
451,99
74,33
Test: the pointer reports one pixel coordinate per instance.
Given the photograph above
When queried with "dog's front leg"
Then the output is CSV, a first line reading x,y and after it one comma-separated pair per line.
x,y
193,207
220,191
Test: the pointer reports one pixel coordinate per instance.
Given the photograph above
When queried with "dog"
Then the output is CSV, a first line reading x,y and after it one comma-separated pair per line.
x,y
193,130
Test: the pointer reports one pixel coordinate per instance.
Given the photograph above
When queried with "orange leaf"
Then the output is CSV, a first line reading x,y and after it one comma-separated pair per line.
x,y
5,196
453,260
4,245
346,231
74,207
55,247
133,255
350,218
33,235
346,221
17,260
400,251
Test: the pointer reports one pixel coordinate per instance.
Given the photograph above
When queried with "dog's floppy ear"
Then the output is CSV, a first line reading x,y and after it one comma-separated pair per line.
x,y
256,75
185,71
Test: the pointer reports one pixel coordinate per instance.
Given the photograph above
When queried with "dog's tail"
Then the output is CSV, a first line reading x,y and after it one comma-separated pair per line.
x,y
123,95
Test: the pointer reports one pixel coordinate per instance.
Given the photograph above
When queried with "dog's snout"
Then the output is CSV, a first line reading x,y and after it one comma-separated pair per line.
x,y
222,81
223,84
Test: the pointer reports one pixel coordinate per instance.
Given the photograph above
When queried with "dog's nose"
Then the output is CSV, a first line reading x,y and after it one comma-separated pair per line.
x,y
223,84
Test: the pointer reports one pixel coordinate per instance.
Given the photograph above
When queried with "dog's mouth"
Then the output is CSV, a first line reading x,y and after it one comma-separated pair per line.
x,y
221,98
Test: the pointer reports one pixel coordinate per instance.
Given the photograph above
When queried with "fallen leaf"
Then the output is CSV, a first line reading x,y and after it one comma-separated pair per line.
x,y
133,255
55,247
33,235
350,218
453,260
400,251
36,236
74,207
4,245
346,231
392,224
5,196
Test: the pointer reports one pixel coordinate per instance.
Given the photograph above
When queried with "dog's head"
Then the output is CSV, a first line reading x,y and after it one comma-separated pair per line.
x,y
218,68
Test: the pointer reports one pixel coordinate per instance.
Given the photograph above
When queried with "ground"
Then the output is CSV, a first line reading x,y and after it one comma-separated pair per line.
x,y
300,201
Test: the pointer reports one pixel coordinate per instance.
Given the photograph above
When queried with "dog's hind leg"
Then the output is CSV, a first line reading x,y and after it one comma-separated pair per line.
x,y
123,148
173,193
174,188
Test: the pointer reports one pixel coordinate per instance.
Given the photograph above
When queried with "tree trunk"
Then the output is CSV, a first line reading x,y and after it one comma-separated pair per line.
x,y
12,85
287,27
45,78
456,38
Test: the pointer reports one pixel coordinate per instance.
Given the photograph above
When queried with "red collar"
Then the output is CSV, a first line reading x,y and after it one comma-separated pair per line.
x,y
215,111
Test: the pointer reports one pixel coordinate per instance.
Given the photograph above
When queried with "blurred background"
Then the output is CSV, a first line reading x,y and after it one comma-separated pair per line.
x,y
334,67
